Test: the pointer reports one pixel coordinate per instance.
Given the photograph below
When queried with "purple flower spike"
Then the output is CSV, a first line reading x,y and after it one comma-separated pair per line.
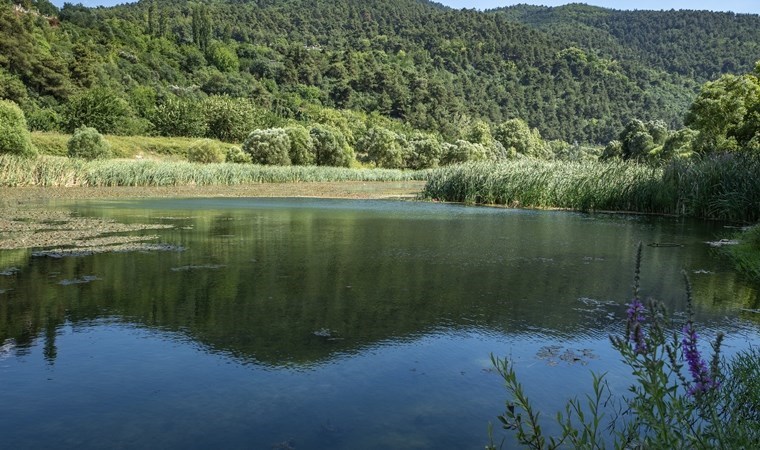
x,y
697,365
635,320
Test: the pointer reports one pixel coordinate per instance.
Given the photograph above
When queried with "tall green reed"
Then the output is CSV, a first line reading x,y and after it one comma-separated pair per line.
x,y
716,187
61,171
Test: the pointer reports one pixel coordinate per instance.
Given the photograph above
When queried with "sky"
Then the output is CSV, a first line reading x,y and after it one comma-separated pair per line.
x,y
739,6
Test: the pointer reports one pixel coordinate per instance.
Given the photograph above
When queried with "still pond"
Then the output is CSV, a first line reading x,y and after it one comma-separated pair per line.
x,y
333,324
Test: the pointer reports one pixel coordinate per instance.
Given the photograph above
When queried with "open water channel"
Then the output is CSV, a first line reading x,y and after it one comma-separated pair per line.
x,y
334,324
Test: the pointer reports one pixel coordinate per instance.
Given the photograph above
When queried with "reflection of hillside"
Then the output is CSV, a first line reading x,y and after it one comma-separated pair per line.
x,y
259,281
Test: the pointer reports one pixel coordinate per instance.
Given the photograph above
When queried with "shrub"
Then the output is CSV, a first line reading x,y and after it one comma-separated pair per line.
x,y
14,136
331,147
423,152
179,117
383,148
517,138
269,147
463,151
236,155
206,151
99,108
87,143
231,119
43,119
301,146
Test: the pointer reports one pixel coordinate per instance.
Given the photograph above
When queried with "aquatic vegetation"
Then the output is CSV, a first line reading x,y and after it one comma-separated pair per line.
x,y
746,252
667,406
715,187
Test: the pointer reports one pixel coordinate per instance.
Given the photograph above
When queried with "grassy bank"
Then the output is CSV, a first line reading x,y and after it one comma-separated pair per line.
x,y
55,171
722,187
746,254
54,144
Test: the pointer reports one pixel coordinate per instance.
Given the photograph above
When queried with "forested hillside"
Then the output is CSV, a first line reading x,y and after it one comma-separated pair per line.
x,y
575,73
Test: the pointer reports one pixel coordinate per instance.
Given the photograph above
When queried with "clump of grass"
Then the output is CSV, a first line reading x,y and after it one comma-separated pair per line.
x,y
59,171
746,254
537,183
724,186
716,187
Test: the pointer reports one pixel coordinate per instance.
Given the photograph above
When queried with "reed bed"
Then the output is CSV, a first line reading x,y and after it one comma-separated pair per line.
x,y
53,171
719,187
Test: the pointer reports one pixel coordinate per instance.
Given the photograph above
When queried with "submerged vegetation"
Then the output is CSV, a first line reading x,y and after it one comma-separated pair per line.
x,y
678,399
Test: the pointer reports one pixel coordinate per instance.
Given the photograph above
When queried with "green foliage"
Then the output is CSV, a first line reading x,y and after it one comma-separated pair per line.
x,y
301,146
330,146
643,141
99,108
383,147
179,117
423,152
12,88
14,135
518,139
223,57
43,119
726,113
231,119
88,143
613,150
462,151
746,253
206,151
679,144
236,155
268,147
675,401
575,73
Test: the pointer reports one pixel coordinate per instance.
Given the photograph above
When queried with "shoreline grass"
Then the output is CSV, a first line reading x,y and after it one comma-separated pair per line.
x,y
56,171
724,187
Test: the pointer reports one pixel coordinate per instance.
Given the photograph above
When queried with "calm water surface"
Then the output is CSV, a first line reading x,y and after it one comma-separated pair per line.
x,y
333,324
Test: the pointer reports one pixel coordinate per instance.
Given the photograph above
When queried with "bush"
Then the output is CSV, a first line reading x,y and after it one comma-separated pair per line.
x,y
424,152
383,148
301,146
463,151
179,117
43,119
331,147
236,155
99,108
14,136
268,147
206,151
87,143
231,119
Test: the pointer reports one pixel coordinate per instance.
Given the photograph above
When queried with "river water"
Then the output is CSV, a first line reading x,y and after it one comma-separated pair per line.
x,y
335,324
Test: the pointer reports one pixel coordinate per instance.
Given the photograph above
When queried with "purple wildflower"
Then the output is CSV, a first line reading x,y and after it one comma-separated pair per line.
x,y
636,318
703,382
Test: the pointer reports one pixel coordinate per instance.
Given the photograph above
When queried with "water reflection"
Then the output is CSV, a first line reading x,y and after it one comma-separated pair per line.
x,y
297,282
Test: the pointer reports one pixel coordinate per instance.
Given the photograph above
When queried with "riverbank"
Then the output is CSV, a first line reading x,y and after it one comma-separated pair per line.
x,y
340,189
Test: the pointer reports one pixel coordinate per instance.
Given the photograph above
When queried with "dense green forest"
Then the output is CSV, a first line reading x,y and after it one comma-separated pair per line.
x,y
575,73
